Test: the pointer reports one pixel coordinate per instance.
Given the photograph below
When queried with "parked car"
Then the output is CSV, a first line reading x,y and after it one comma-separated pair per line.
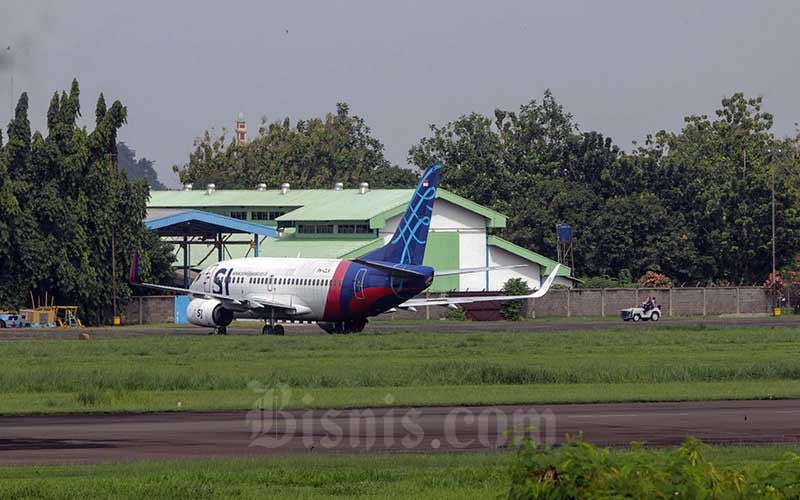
x,y
639,314
11,320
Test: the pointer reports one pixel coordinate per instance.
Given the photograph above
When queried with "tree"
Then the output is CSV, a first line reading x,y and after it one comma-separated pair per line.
x,y
313,153
692,204
69,204
137,169
514,310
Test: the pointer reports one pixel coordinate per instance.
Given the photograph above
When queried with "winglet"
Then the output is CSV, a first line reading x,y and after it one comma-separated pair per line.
x,y
540,292
134,273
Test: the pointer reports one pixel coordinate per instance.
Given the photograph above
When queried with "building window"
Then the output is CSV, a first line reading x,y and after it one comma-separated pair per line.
x,y
325,228
266,215
346,228
239,215
306,228
362,228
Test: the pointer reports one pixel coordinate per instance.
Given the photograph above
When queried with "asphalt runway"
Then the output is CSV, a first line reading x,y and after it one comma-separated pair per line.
x,y
128,437
384,326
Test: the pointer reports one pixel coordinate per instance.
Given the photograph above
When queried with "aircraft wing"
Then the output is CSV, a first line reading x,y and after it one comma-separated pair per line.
x,y
446,301
227,302
235,304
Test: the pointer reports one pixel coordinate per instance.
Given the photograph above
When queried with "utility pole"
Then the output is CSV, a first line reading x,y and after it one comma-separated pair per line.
x,y
11,87
773,284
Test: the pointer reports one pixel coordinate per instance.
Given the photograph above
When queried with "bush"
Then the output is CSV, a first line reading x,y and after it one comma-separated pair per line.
x,y
457,313
513,310
653,279
579,470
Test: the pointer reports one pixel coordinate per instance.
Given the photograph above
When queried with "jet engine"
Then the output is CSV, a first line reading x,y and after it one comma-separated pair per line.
x,y
208,312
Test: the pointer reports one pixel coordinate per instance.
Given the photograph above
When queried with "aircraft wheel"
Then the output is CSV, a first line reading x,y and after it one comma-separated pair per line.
x,y
637,317
655,316
2,324
221,330
266,330
279,330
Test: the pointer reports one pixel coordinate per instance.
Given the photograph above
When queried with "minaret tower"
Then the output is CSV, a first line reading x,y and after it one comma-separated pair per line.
x,y
241,130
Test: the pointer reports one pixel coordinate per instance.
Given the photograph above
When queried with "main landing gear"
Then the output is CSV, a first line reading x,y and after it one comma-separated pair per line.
x,y
343,327
273,330
270,328
219,330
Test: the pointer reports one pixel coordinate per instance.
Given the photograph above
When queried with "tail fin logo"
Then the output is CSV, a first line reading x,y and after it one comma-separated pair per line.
x,y
413,230
407,246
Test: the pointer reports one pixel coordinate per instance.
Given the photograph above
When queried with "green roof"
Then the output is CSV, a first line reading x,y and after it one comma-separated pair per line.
x,y
318,248
376,205
526,254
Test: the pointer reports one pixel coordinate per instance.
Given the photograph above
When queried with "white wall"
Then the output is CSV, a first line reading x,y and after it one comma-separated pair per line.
x,y
500,257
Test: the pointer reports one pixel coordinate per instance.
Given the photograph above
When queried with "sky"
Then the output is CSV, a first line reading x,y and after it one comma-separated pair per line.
x,y
624,68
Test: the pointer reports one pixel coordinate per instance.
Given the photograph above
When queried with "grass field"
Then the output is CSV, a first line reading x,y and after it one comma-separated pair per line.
x,y
484,475
668,362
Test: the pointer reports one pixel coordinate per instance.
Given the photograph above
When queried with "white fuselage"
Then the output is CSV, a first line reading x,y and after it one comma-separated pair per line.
x,y
301,281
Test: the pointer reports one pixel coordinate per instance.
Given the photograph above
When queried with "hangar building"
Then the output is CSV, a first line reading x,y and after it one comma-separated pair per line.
x,y
347,223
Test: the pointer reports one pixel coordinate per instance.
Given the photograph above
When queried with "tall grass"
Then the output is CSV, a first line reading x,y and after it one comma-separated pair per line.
x,y
655,355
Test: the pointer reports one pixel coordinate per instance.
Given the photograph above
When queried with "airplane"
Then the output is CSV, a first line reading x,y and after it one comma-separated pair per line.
x,y
338,294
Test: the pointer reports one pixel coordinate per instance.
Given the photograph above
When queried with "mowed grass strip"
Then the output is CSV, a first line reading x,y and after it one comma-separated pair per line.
x,y
479,475
155,373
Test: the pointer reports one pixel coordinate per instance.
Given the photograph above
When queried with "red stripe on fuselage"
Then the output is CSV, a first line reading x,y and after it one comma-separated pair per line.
x,y
333,308
362,307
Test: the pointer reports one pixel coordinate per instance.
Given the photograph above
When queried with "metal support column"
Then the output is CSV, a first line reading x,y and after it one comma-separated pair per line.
x,y
255,245
220,254
185,261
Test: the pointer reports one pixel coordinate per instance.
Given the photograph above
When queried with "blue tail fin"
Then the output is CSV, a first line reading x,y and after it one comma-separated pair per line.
x,y
408,243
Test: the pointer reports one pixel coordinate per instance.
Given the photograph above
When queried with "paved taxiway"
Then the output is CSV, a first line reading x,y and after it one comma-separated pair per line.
x,y
433,327
102,438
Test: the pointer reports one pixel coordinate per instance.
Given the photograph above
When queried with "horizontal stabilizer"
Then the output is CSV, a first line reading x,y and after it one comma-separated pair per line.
x,y
467,270
388,267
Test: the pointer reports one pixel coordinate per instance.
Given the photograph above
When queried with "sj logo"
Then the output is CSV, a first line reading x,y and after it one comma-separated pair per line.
x,y
222,281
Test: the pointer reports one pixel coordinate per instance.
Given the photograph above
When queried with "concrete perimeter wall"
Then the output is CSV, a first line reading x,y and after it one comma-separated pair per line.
x,y
674,301
561,302
149,309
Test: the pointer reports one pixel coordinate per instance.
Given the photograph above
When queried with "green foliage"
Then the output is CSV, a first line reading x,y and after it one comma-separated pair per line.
x,y
67,202
457,313
514,310
607,282
315,153
693,205
580,470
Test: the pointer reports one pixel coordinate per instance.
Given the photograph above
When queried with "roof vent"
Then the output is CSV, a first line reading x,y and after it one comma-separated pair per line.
x,y
187,186
261,187
363,188
210,188
285,188
338,186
